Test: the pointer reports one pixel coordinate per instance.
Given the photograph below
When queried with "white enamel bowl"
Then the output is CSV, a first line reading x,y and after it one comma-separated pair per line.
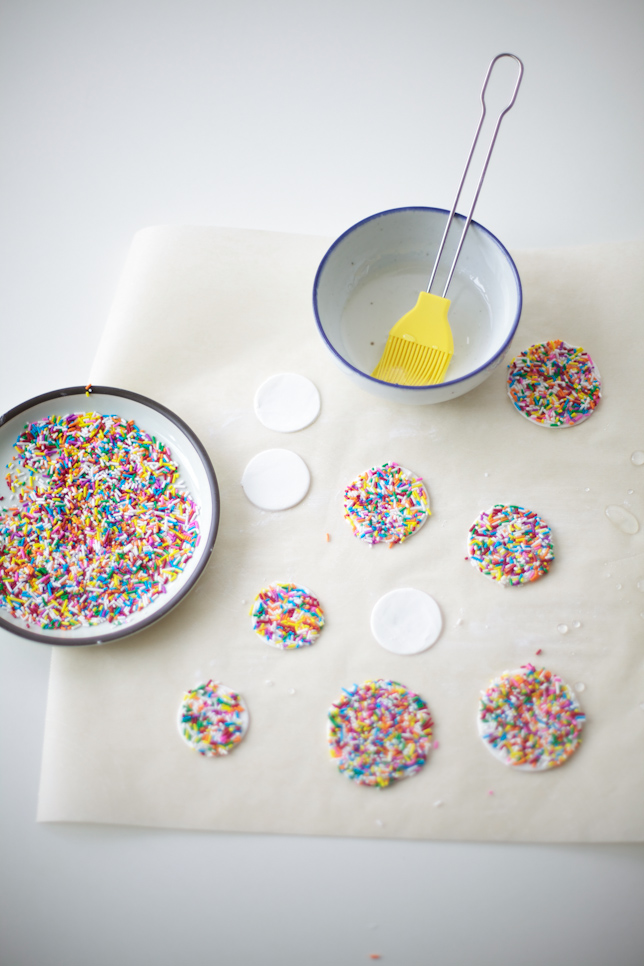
x,y
195,469
371,276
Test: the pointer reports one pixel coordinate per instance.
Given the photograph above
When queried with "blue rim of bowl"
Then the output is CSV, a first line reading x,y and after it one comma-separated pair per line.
x,y
118,631
438,385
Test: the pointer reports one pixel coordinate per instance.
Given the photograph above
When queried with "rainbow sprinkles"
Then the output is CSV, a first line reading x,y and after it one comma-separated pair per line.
x,y
287,616
510,545
530,719
379,732
213,719
99,522
554,384
386,504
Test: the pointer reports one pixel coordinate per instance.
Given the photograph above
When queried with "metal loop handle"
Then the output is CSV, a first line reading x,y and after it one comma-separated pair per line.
x,y
467,166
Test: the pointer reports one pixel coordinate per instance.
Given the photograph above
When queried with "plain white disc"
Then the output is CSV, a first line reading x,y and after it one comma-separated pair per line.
x,y
287,402
406,621
276,479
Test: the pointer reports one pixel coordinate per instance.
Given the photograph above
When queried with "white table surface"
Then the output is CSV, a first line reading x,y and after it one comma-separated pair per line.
x,y
301,117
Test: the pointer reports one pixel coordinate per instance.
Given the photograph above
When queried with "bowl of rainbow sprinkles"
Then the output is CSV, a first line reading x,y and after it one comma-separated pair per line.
x,y
109,509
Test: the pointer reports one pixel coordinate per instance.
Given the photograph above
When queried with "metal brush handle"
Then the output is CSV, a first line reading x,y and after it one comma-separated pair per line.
x,y
467,166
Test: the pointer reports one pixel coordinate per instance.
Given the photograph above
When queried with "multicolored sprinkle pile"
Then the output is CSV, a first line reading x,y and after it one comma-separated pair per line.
x,y
287,616
511,545
379,732
530,719
554,384
386,504
213,719
100,526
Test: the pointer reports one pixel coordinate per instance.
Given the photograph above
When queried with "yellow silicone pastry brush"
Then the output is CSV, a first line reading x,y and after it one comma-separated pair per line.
x,y
420,346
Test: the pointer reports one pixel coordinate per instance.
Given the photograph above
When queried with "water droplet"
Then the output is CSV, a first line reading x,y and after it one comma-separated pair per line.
x,y
622,519
630,492
606,575
562,628
268,683
437,803
486,474
640,584
379,822
580,687
576,624
460,619
637,458
291,690
587,489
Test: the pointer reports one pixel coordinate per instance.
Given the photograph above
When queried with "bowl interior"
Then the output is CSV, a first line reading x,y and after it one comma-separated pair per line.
x,y
195,470
372,275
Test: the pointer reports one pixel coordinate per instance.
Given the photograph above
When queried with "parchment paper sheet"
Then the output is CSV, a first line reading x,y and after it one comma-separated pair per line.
x,y
201,318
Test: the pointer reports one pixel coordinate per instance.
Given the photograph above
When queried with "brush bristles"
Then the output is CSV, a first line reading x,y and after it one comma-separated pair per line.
x,y
411,364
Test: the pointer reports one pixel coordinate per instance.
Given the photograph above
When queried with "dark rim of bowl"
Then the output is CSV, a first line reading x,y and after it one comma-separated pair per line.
x,y
439,385
205,549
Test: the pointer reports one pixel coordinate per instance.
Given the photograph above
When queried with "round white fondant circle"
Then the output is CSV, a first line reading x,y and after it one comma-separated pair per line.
x,y
406,621
287,402
276,479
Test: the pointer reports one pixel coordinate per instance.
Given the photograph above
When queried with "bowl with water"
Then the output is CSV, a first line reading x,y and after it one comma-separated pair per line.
x,y
371,276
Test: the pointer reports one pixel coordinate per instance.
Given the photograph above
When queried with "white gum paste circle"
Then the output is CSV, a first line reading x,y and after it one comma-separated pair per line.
x,y
276,479
406,621
287,402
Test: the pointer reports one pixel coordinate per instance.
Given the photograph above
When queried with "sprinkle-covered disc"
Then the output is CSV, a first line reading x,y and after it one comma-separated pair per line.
x,y
213,719
511,545
287,616
386,504
379,731
100,526
554,384
530,719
